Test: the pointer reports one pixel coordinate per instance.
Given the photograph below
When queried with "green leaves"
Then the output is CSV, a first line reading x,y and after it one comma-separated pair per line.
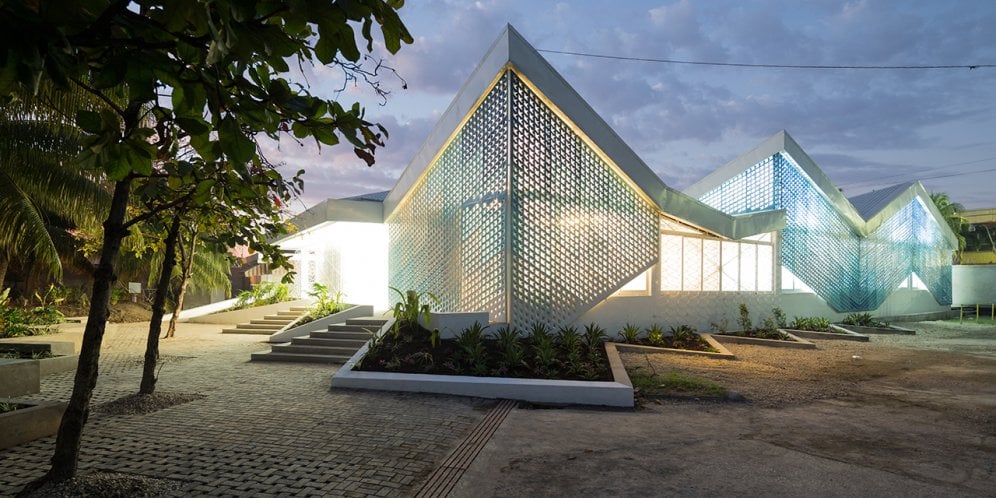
x,y
88,121
234,142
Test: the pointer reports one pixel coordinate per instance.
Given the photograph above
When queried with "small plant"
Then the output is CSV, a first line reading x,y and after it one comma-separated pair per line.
x,y
813,323
8,406
720,326
779,317
655,335
568,339
545,355
261,295
863,320
408,310
539,332
594,336
472,349
683,335
510,347
744,320
630,334
326,303
51,297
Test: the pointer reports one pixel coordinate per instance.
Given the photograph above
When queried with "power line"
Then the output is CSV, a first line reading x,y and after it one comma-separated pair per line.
x,y
768,66
946,175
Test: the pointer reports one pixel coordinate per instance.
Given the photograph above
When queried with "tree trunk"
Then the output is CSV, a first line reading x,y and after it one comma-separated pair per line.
x,y
67,444
3,268
188,267
148,385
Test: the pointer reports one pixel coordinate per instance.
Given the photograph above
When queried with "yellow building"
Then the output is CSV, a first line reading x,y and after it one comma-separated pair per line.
x,y
981,241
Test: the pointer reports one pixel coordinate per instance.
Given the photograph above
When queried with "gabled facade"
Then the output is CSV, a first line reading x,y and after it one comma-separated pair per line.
x,y
852,253
524,203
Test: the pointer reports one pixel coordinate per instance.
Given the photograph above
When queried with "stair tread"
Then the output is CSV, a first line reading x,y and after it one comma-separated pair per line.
x,y
297,357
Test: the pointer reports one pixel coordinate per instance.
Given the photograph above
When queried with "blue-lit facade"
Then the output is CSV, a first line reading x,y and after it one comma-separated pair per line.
x,y
851,270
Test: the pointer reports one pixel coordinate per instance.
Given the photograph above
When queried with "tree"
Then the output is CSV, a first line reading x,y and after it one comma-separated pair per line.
x,y
952,216
40,188
209,75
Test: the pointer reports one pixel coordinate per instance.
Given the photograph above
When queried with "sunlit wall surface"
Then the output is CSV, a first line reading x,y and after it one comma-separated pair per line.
x,y
823,250
573,232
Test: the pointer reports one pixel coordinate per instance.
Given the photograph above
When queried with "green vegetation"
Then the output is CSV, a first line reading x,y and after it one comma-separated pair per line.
x,y
411,306
8,406
768,329
326,303
262,295
680,337
20,322
673,383
812,323
863,320
505,352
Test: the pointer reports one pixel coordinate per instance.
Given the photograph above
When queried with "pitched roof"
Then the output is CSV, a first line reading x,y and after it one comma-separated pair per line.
x,y
870,203
512,50
866,216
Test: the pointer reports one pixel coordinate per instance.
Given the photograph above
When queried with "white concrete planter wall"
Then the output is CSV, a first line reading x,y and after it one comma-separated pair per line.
x,y
322,324
618,393
19,377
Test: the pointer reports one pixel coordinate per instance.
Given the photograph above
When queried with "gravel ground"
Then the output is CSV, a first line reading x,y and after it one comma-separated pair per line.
x,y
142,404
107,484
940,356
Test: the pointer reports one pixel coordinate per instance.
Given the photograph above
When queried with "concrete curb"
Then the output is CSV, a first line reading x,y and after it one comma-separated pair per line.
x,y
796,343
723,354
843,335
891,329
618,393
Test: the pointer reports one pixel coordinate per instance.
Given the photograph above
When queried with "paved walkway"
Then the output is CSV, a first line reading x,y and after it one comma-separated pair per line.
x,y
263,429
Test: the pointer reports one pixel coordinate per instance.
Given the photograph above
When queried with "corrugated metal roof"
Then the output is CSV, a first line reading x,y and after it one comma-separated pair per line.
x,y
373,196
870,203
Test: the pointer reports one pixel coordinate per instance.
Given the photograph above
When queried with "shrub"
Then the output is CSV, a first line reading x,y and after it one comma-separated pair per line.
x,y
655,335
779,317
408,310
262,295
630,334
744,320
863,320
813,323
326,303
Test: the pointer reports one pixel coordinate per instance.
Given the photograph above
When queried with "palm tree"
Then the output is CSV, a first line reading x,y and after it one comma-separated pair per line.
x,y
41,189
952,215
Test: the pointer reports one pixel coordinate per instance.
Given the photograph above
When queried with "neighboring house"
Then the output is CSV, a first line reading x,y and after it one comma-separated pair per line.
x,y
981,246
524,203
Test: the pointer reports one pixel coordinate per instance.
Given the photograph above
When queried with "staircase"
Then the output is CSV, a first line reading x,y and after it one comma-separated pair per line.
x,y
335,345
269,324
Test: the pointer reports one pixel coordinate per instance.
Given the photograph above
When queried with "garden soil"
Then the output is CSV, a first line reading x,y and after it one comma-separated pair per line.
x,y
898,416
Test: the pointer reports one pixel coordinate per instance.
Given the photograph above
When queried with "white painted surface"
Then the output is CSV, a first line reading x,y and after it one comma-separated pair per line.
x,y
452,324
973,284
534,390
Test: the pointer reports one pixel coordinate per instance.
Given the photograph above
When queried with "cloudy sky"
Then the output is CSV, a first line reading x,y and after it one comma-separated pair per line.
x,y
865,128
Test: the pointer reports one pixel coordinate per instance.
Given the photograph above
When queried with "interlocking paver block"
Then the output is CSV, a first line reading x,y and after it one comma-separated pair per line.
x,y
260,429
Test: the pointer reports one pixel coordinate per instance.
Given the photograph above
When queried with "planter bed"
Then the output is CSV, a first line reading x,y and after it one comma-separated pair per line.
x,y
721,352
19,377
860,329
617,393
33,420
62,359
795,342
839,334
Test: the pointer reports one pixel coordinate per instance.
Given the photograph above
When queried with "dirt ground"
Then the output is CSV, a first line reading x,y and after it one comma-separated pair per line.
x,y
898,416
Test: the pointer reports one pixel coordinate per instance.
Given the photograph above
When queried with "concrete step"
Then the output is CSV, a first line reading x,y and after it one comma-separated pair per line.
x,y
300,358
314,350
339,327
269,321
290,314
379,322
258,326
248,331
278,316
355,344
339,334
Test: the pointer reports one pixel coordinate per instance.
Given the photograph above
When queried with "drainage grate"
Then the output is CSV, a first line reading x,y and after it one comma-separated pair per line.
x,y
444,478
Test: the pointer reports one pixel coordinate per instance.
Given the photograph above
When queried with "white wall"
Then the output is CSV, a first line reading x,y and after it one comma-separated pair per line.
x,y
350,257
973,284
701,309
